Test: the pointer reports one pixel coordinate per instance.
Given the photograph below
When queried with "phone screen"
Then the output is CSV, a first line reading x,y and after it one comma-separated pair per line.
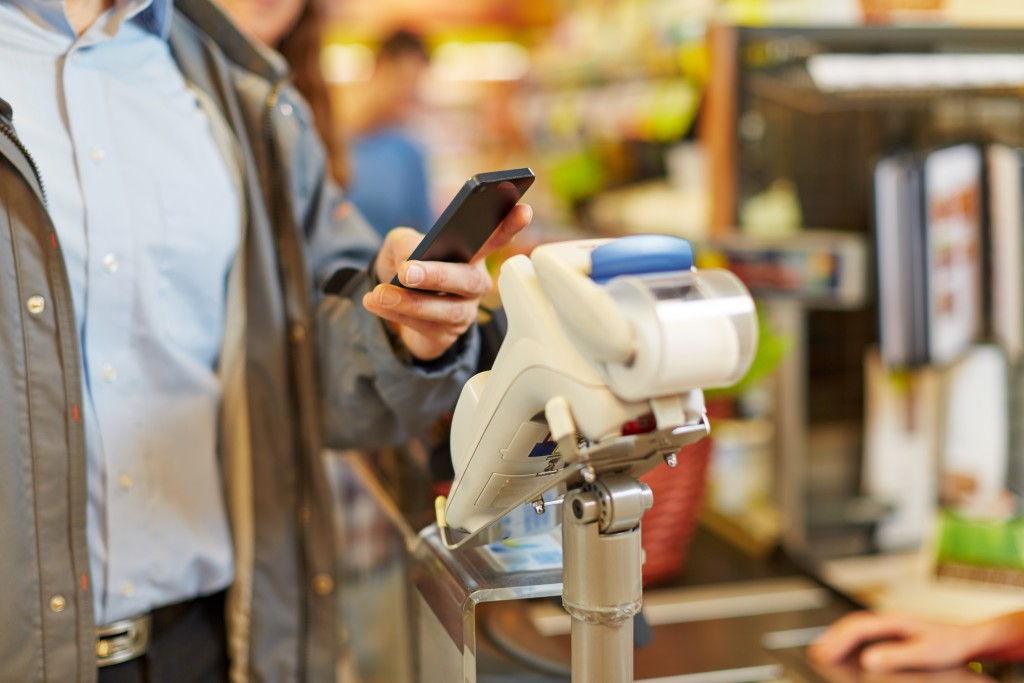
x,y
473,221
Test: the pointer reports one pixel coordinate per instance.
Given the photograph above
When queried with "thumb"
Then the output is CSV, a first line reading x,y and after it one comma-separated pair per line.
x,y
397,245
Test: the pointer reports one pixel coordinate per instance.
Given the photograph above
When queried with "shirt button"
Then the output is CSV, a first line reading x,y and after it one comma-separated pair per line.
x,y
111,263
35,304
58,603
286,109
125,481
75,57
127,589
323,584
109,372
97,154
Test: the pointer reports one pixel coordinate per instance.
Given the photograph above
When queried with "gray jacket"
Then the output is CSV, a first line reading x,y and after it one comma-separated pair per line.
x,y
311,370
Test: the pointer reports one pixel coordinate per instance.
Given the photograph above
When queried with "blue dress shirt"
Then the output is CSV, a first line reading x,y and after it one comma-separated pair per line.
x,y
149,223
389,181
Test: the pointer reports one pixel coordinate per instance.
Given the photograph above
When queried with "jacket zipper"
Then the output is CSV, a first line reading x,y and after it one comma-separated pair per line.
x,y
8,132
276,180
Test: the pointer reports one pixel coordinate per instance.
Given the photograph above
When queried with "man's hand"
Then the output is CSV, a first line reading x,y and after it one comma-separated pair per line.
x,y
906,643
426,322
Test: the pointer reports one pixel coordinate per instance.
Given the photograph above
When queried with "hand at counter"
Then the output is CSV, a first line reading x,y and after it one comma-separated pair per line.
x,y
886,643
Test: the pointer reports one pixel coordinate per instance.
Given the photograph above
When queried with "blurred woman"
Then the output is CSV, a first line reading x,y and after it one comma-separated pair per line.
x,y
295,29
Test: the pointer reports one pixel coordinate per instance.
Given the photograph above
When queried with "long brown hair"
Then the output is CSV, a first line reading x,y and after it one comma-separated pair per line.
x,y
301,47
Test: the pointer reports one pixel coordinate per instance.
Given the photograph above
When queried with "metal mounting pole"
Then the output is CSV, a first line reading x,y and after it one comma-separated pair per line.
x,y
602,591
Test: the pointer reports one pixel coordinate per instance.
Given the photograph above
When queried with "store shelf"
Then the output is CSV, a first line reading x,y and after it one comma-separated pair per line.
x,y
823,269
793,87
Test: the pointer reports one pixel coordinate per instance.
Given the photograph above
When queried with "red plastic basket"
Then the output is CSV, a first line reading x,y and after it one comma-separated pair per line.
x,y
667,528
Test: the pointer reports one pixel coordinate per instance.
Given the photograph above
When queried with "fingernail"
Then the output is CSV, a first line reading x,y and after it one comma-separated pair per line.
x,y
414,274
388,296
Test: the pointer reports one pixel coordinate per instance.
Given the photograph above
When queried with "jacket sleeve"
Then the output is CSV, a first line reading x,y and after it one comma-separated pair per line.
x,y
370,395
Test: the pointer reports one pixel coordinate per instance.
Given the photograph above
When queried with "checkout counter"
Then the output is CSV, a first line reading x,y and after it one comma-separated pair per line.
x,y
427,617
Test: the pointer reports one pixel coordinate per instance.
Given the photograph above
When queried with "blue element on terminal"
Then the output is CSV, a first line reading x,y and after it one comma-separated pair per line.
x,y
640,255
543,449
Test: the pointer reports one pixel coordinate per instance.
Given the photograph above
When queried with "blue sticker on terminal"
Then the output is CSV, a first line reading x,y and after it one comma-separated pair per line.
x,y
640,255
544,448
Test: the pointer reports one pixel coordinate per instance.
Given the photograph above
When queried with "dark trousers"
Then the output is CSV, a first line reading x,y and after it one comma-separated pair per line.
x,y
188,644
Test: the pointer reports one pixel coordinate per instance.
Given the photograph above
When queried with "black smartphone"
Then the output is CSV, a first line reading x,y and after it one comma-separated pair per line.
x,y
475,213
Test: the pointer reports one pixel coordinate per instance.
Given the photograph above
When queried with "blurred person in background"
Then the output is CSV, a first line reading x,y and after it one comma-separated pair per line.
x,y
389,167
382,167
294,28
169,362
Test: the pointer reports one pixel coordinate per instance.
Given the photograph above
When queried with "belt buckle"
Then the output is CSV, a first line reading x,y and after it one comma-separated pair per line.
x,y
122,640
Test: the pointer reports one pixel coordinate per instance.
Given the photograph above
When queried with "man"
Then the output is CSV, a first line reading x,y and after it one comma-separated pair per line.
x,y
169,365
389,171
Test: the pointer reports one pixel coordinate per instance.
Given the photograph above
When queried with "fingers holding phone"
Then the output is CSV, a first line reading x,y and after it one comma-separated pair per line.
x,y
426,322
483,217
395,260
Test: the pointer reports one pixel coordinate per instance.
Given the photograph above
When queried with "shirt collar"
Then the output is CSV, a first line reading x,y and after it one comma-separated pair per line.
x,y
152,15
155,17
